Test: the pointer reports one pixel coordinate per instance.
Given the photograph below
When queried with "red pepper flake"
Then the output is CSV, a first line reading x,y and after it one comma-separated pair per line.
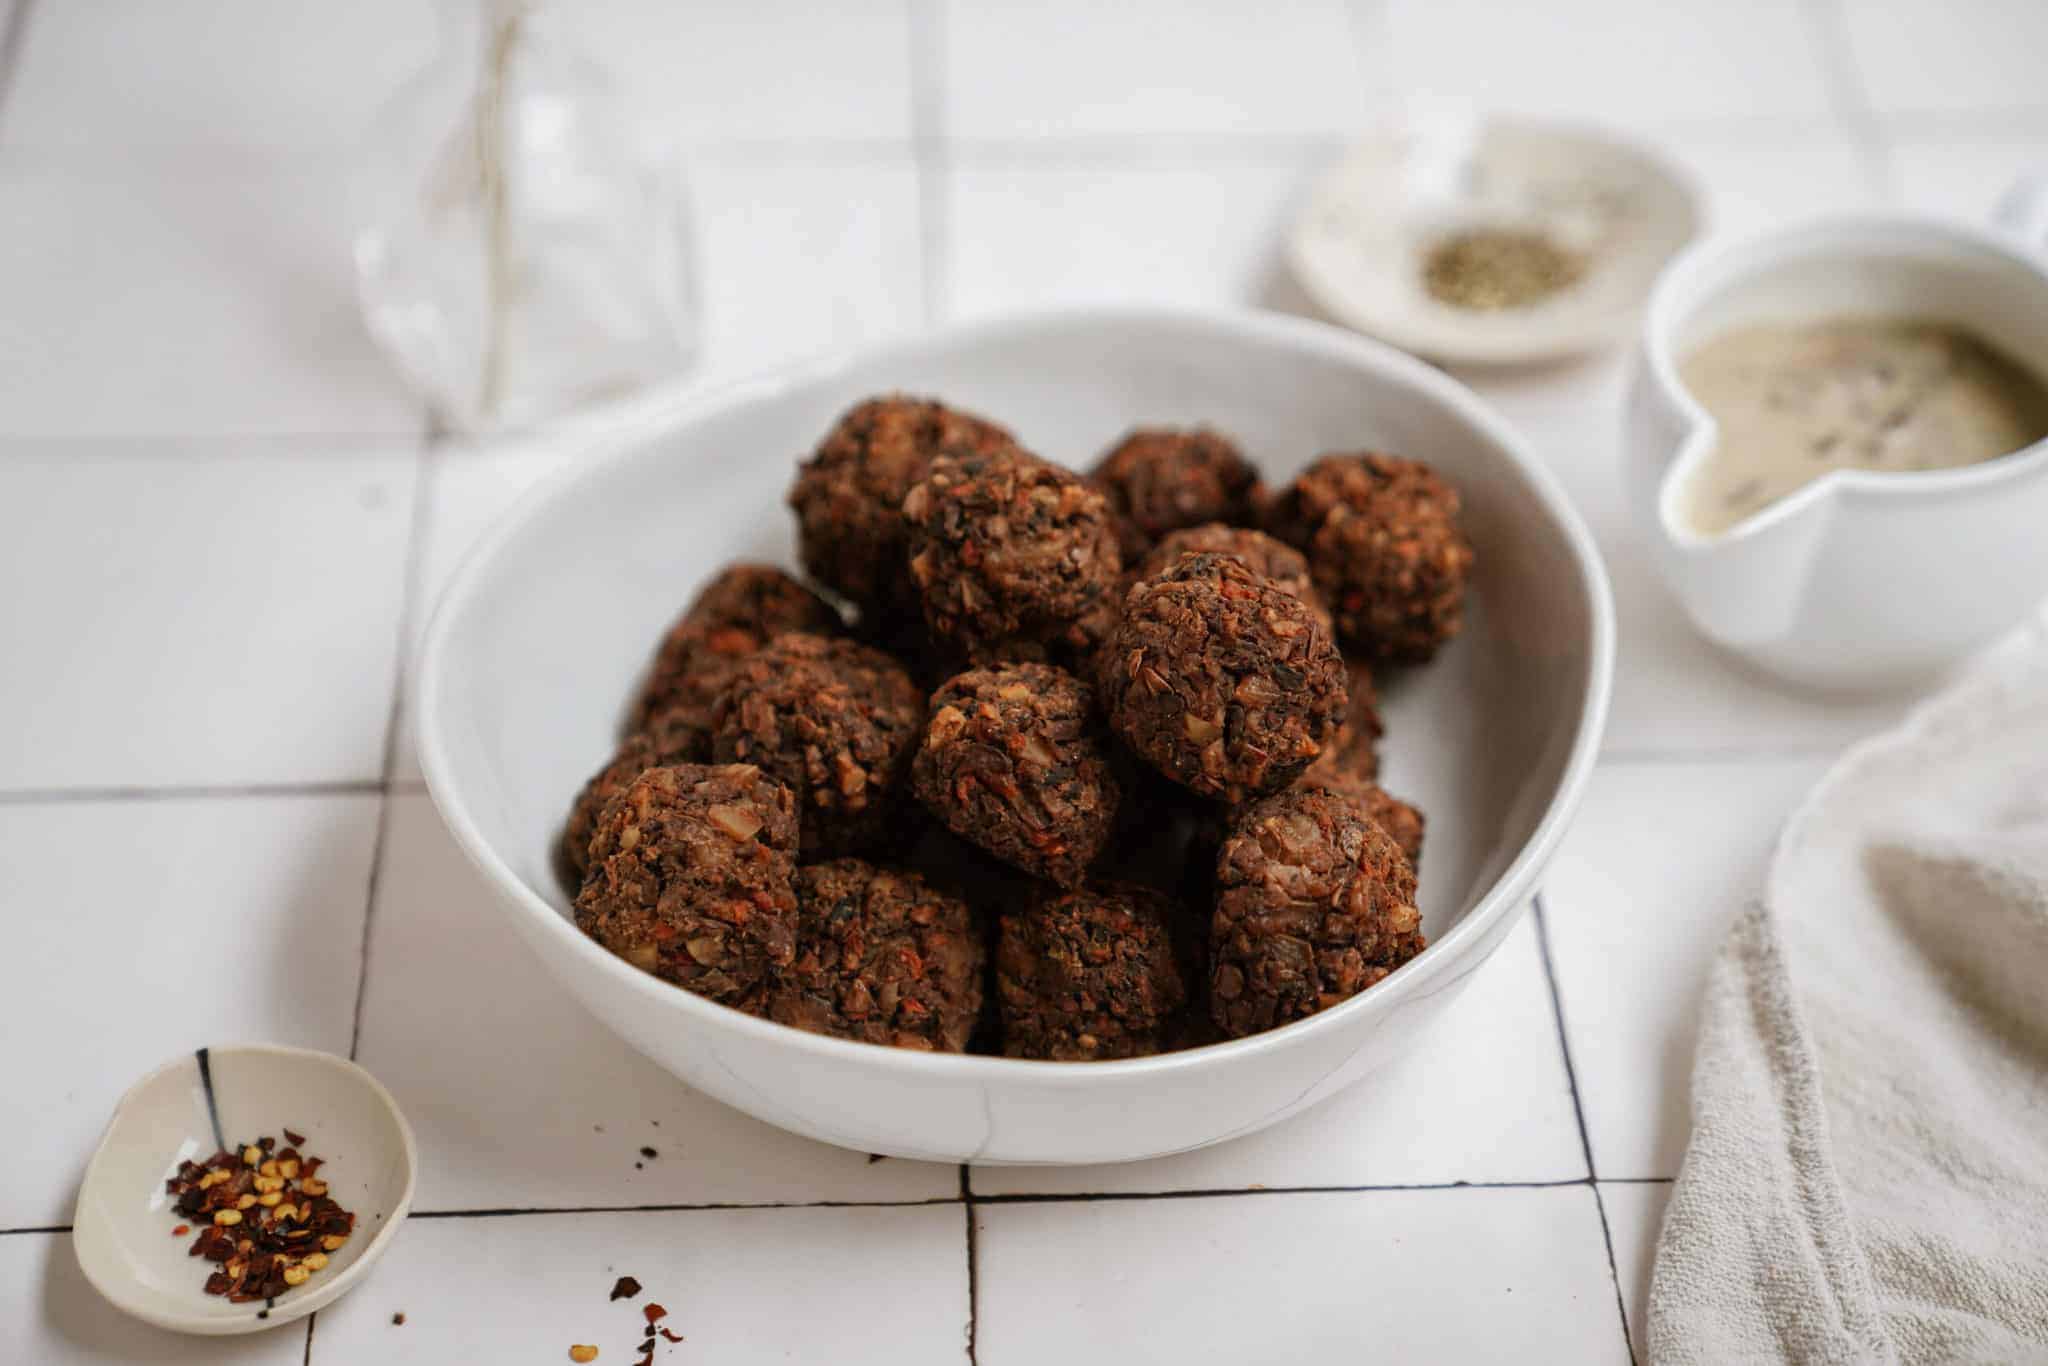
x,y
625,1288
672,1337
655,1314
265,1219
296,1140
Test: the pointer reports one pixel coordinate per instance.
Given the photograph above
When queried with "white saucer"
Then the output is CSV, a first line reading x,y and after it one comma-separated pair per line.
x,y
1359,245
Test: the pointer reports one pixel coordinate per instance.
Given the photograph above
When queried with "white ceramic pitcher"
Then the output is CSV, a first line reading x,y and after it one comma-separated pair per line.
x,y
1861,579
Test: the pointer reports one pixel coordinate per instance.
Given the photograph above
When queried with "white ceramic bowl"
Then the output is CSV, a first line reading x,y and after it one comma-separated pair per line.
x,y
122,1228
1367,226
541,636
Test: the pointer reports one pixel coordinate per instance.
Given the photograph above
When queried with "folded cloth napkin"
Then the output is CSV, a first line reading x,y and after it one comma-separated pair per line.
x,y
1867,1178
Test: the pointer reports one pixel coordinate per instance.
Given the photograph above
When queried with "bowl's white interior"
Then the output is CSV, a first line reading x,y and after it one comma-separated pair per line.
x,y
552,625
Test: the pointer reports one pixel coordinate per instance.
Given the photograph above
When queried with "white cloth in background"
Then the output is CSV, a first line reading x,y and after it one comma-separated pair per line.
x,y
1867,1179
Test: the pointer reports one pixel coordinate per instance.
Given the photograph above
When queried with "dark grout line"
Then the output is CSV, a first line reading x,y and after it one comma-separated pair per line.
x,y
47,1228
311,1319
11,44
1637,1180
1571,1076
32,796
967,1203
928,148
968,1197
513,1212
401,665
1231,1192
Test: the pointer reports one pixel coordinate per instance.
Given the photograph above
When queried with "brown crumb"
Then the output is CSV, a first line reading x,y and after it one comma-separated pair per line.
x,y
583,1351
625,1288
649,1154
398,1319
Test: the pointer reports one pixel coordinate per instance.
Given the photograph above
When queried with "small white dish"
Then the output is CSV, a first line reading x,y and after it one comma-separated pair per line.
x,y
1361,241
197,1104
541,635
1861,580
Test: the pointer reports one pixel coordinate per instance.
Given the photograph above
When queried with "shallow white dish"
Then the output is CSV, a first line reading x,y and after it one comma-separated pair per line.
x,y
1861,580
541,636
189,1108
1359,245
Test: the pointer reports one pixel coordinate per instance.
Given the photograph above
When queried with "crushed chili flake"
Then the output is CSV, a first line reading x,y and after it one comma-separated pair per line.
x,y
295,1139
266,1218
655,1314
672,1337
625,1288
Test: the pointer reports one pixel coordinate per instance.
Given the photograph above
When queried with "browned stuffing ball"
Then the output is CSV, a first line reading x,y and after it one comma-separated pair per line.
x,y
880,957
1384,545
848,496
1396,817
1355,750
1160,479
674,737
1015,761
1006,546
1275,559
1314,903
838,722
1221,680
1088,974
690,878
739,611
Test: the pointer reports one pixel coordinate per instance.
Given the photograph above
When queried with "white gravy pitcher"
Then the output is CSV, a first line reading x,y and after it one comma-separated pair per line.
x,y
1861,579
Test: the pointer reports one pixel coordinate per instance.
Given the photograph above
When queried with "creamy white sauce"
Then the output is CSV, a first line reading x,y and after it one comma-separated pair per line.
x,y
1794,402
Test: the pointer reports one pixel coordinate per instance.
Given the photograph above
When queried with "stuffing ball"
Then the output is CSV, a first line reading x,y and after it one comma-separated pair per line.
x,y
881,958
1220,679
1159,479
1006,546
674,737
838,722
1276,560
1088,974
1383,543
1314,903
848,496
1015,761
1396,817
690,878
1355,750
740,610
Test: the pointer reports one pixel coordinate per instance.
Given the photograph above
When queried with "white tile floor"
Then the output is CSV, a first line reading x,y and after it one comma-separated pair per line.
x,y
220,531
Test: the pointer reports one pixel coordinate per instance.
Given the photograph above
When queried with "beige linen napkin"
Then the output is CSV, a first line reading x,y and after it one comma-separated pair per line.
x,y
1867,1179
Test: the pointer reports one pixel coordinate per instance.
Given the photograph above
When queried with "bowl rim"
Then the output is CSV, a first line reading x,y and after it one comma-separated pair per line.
x,y
615,435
